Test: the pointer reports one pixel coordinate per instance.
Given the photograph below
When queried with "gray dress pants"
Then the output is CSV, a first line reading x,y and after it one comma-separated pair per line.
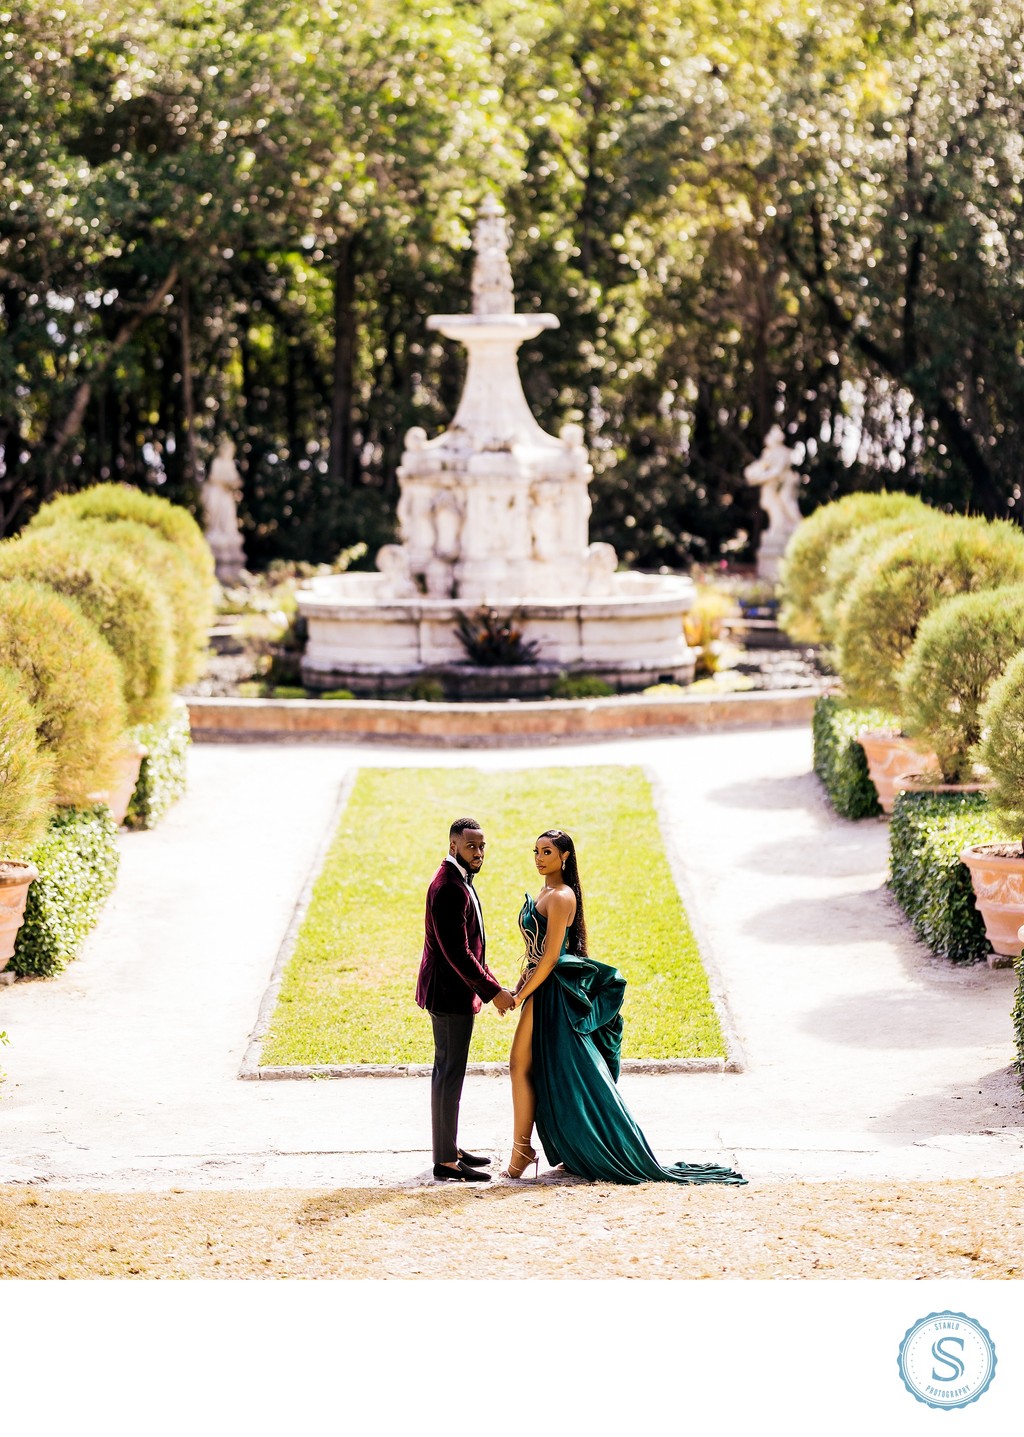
x,y
452,1033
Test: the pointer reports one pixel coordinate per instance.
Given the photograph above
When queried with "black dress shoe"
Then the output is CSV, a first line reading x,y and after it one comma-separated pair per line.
x,y
462,1174
473,1161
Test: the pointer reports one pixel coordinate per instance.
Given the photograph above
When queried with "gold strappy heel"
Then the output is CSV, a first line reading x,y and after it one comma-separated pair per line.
x,y
523,1150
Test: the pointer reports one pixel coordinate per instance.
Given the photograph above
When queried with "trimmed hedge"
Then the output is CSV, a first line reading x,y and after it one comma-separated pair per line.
x,y
960,650
910,576
1001,750
126,604
162,775
931,885
839,760
26,771
845,560
77,860
190,595
1018,1014
804,565
72,680
123,501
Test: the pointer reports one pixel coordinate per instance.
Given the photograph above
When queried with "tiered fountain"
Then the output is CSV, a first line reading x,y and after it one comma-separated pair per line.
x,y
494,512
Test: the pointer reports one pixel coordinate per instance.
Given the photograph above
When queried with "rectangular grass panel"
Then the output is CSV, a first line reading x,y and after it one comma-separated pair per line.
x,y
347,994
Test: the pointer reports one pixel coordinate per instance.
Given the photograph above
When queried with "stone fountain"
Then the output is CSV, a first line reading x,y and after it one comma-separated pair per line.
x,y
494,513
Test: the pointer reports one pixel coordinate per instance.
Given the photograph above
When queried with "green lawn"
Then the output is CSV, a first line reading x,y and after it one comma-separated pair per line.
x,y
347,995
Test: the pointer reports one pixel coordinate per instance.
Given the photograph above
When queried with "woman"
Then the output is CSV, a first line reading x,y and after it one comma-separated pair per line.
x,y
565,1054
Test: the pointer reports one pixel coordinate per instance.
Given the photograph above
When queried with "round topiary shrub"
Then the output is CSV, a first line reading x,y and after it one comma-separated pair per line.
x,y
1001,749
804,566
845,560
125,603
189,596
111,502
961,648
72,680
896,588
26,771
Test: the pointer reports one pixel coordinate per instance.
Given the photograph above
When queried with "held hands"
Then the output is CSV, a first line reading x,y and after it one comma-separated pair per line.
x,y
502,1000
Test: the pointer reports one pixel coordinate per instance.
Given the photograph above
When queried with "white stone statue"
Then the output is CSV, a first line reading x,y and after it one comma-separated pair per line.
x,y
773,474
393,563
220,495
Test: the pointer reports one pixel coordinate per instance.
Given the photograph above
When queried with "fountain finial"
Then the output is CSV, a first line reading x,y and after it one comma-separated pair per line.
x,y
493,292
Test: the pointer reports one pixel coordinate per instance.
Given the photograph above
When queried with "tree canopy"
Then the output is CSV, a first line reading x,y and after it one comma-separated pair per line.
x,y
236,218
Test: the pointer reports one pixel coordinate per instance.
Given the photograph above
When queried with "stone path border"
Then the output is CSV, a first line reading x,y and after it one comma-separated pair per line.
x,y
501,724
251,1069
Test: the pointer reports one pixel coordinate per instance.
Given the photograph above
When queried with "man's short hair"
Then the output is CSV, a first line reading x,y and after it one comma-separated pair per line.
x,y
460,825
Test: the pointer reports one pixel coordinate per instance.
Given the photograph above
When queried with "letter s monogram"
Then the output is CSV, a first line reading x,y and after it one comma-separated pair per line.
x,y
940,1355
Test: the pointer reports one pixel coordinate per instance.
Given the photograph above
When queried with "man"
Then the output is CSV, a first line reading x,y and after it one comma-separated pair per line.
x,y
454,981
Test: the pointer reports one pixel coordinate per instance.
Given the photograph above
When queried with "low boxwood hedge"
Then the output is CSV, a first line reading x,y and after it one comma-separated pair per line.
x,y
929,882
1018,1014
77,859
839,760
162,775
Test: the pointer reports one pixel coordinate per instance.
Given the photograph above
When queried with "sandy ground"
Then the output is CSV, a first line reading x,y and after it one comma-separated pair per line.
x,y
586,1231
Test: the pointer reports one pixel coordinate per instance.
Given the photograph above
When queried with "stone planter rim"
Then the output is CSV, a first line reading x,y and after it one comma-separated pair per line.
x,y
28,874
977,852
928,783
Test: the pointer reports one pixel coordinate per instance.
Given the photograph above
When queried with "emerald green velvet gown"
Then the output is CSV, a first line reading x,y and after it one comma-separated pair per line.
x,y
582,1120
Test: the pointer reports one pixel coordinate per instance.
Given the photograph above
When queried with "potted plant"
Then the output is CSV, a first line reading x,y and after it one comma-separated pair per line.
x,y
805,564
997,869
961,648
893,592
26,797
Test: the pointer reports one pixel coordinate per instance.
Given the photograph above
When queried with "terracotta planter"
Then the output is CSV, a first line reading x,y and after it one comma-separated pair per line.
x,y
119,795
890,757
999,893
15,878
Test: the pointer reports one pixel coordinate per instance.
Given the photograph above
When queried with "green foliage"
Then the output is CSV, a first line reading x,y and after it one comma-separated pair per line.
x,y
77,860
26,771
189,595
115,502
839,760
962,646
422,690
846,559
343,694
740,214
927,832
804,575
346,993
896,588
164,771
494,640
1018,1014
581,686
1001,749
126,605
72,680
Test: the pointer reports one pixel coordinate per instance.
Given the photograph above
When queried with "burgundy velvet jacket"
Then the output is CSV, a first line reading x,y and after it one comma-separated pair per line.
x,y
454,976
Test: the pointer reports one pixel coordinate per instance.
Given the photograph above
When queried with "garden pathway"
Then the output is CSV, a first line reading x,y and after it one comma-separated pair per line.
x,y
863,1056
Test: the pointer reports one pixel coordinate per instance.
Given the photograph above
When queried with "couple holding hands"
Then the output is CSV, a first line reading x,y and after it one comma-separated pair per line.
x,y
564,1060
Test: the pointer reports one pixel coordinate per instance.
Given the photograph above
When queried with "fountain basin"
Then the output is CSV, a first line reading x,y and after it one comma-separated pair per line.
x,y
363,639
